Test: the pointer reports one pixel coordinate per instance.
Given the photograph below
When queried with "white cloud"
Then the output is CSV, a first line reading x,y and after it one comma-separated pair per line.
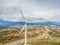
x,y
13,18
48,14
10,8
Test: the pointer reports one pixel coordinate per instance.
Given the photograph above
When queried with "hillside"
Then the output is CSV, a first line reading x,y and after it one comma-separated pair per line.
x,y
36,35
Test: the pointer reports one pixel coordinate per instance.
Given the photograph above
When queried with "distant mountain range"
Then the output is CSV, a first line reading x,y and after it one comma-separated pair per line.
x,y
7,23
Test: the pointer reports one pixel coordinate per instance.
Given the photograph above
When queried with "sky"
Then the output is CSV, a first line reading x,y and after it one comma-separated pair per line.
x,y
33,10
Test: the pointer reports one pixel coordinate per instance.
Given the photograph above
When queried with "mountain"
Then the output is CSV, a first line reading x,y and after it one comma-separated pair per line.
x,y
7,23
45,23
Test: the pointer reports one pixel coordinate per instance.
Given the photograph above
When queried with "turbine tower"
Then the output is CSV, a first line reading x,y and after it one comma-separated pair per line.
x,y
24,27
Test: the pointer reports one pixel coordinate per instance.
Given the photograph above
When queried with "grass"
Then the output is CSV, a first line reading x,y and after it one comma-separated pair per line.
x,y
7,36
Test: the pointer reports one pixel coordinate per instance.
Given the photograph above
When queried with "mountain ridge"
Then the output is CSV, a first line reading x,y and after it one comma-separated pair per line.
x,y
7,23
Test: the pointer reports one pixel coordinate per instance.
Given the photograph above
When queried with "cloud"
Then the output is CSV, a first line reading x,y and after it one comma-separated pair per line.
x,y
10,14
41,10
51,15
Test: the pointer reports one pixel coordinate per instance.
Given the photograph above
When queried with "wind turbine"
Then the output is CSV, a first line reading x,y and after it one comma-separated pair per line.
x,y
24,27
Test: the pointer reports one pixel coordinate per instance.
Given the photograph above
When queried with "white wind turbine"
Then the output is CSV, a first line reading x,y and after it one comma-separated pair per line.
x,y
24,27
